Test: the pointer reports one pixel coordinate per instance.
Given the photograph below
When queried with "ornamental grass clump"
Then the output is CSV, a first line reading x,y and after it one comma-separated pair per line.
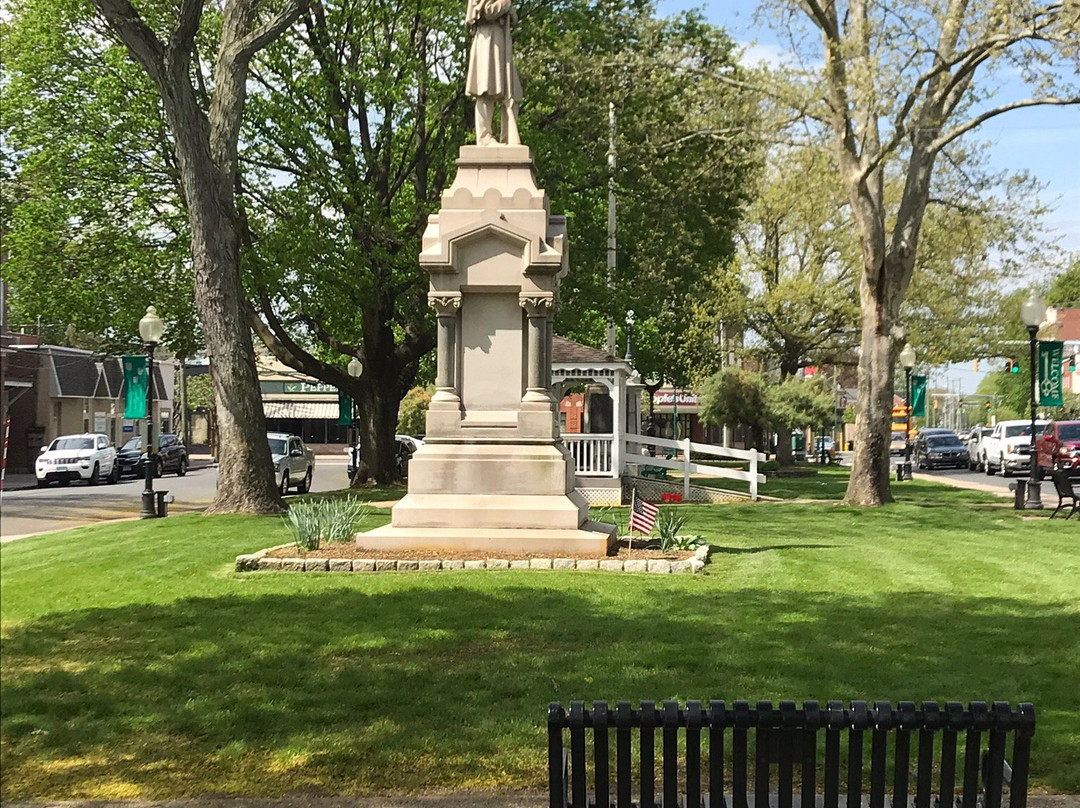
x,y
303,522
668,527
338,518
328,520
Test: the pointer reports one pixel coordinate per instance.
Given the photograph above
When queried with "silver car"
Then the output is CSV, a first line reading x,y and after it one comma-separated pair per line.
x,y
294,463
974,446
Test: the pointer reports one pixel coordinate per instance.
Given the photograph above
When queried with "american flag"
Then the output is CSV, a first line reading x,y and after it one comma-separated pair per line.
x,y
642,514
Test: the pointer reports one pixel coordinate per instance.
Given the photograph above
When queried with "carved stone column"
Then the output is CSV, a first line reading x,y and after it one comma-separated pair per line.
x,y
538,310
446,309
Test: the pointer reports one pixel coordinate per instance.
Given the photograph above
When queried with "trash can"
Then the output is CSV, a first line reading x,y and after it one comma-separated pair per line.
x,y
163,501
798,445
1019,489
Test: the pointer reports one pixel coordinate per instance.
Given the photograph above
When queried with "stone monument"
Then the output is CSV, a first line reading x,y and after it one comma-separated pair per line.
x,y
493,473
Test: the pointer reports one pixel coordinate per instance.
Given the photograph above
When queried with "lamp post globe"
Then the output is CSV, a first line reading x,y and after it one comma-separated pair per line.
x,y
355,371
907,360
1033,312
151,329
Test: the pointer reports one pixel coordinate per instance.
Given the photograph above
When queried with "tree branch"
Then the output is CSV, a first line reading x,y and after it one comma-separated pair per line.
x,y
948,137
141,42
270,30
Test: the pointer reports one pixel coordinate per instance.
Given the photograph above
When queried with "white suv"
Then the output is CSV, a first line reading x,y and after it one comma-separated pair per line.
x,y
89,457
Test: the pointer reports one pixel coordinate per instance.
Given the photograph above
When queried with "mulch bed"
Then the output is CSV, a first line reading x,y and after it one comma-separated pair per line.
x,y
639,551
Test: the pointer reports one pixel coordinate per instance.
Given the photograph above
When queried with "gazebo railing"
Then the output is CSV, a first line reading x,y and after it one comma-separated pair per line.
x,y
592,453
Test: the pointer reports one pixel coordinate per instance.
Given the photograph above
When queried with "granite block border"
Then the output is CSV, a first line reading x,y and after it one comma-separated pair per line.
x,y
260,561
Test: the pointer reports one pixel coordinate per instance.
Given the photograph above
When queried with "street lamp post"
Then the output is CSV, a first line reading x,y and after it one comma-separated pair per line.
x,y
355,369
150,330
907,359
1033,312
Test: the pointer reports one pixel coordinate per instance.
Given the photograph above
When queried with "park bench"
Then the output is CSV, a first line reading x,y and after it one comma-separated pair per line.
x,y
656,472
1065,491
811,744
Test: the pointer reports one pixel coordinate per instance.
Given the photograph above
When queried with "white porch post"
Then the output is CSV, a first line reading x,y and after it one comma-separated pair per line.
x,y
618,424
686,470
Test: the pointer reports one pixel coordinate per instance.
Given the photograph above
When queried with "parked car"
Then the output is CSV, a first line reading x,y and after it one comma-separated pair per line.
x,y
88,457
172,456
1058,447
1008,447
898,444
935,449
406,447
974,446
294,463
829,446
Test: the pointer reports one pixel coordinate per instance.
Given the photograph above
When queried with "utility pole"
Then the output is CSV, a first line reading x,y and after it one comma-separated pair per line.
x,y
611,252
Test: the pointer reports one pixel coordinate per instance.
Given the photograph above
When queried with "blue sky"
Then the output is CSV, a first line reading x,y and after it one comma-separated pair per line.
x,y
1044,141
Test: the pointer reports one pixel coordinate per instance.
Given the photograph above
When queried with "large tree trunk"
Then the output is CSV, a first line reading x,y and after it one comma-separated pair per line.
x,y
869,482
245,472
206,150
378,421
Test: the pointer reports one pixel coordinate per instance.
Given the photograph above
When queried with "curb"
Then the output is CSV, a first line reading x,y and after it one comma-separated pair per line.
x,y
259,562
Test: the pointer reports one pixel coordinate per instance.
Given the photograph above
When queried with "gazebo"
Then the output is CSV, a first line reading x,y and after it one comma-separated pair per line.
x,y
612,397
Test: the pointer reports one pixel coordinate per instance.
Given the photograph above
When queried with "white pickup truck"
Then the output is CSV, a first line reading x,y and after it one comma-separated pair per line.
x,y
1008,447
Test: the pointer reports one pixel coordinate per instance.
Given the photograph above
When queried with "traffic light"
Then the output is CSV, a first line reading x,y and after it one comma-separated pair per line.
x,y
1072,363
1012,366
987,406
976,365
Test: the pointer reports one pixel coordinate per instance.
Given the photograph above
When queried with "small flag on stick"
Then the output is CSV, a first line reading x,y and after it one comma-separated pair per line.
x,y
642,514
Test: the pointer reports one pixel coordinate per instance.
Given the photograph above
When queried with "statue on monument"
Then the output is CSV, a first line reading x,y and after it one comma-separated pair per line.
x,y
492,77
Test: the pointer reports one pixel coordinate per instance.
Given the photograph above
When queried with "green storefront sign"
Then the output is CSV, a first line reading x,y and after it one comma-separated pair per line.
x,y
1051,357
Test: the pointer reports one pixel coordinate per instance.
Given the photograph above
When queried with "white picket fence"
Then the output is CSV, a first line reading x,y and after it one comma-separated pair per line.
x,y
688,467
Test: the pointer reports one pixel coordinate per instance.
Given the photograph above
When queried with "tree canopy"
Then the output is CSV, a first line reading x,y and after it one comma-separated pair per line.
x,y
898,88
354,119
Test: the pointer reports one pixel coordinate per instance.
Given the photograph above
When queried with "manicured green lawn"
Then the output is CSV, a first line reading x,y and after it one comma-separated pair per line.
x,y
136,663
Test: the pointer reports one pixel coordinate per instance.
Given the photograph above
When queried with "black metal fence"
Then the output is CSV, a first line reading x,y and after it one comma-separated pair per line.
x,y
790,757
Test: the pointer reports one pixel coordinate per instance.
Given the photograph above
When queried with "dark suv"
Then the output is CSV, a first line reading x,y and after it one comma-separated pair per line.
x,y
172,456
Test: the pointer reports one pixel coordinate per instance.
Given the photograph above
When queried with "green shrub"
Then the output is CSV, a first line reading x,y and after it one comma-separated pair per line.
x,y
685,543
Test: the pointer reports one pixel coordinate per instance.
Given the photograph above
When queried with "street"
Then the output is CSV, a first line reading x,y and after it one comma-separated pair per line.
x,y
41,510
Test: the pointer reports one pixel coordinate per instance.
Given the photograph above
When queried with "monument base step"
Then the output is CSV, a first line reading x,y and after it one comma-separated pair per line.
x,y
470,511
592,538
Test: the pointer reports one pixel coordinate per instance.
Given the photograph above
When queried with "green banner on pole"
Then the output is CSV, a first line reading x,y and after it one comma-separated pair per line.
x,y
136,380
918,396
344,406
1051,357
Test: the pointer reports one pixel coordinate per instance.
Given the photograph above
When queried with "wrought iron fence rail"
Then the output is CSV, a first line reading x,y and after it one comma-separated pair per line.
x,y
783,766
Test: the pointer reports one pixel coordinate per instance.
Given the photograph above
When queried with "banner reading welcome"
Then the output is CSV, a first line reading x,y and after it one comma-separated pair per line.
x,y
1051,356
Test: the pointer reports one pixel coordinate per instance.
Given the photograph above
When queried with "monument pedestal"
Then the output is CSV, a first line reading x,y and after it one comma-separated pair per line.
x,y
493,474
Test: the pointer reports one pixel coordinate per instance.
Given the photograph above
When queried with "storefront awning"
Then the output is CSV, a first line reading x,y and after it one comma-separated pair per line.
x,y
314,410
